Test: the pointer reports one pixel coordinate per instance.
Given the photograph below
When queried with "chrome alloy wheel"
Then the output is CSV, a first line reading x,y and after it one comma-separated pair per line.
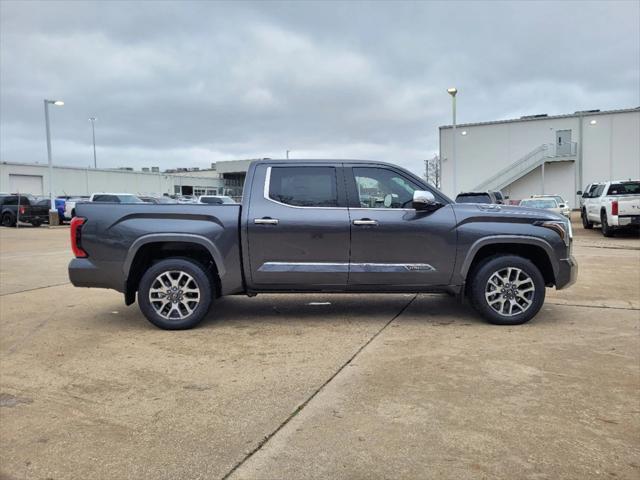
x,y
174,295
509,291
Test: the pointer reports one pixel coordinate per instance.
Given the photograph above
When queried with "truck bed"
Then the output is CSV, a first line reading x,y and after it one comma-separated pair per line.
x,y
114,233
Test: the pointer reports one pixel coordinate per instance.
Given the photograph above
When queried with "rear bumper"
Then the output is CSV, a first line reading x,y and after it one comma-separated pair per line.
x,y
628,220
567,273
85,273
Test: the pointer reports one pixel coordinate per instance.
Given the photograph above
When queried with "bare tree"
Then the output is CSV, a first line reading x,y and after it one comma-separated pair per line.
x,y
432,171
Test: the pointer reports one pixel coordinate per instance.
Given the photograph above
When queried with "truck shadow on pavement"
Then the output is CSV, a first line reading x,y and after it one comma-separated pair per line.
x,y
338,308
314,309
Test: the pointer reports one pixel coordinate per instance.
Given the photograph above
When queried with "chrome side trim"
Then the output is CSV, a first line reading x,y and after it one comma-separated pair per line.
x,y
344,267
391,268
305,267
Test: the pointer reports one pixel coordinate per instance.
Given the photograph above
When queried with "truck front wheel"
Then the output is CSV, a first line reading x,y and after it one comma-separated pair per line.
x,y
175,293
507,289
585,220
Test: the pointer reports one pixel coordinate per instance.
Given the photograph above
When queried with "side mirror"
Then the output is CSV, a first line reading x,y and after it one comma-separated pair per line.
x,y
424,200
579,192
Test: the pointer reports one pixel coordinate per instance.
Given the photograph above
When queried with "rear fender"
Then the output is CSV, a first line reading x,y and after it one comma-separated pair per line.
x,y
174,237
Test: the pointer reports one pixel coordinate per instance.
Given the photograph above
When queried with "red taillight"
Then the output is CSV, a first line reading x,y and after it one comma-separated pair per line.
x,y
614,207
76,236
22,210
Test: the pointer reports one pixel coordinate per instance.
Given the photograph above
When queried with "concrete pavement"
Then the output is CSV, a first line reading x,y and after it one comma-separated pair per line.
x,y
317,386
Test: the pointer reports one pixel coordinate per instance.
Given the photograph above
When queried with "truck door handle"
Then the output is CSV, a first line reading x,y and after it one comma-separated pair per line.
x,y
265,221
365,221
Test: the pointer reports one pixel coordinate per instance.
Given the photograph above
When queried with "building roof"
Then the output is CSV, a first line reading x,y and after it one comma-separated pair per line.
x,y
105,170
531,118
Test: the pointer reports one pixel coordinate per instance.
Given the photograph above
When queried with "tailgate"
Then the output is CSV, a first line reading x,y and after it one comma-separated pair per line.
x,y
629,205
38,210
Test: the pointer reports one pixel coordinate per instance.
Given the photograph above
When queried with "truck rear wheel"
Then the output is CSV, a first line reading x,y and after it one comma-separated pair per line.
x,y
176,293
8,220
607,231
507,290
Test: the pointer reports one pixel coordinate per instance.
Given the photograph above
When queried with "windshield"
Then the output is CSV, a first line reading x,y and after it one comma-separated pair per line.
x,y
624,188
539,203
473,198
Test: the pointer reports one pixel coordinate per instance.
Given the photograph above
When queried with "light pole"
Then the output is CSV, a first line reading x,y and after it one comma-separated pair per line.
x,y
93,133
453,91
53,214
288,154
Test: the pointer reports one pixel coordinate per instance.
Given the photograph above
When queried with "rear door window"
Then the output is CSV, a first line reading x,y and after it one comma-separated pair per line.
x,y
304,186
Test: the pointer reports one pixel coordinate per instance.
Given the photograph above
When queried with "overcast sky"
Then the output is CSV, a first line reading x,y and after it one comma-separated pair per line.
x,y
189,83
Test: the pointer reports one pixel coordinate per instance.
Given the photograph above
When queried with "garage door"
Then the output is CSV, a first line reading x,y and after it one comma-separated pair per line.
x,y
25,184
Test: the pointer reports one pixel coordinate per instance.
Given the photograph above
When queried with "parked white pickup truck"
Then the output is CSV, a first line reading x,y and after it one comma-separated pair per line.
x,y
611,204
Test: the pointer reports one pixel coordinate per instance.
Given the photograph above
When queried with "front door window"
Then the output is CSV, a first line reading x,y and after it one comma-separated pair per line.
x,y
383,188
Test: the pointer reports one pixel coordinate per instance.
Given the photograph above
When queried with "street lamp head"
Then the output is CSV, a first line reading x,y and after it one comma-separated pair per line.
x,y
59,103
93,119
452,91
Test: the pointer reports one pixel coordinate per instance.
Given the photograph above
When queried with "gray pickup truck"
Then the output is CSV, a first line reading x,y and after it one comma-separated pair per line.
x,y
322,226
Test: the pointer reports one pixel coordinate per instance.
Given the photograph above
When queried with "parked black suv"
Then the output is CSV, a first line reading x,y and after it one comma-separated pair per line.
x,y
28,210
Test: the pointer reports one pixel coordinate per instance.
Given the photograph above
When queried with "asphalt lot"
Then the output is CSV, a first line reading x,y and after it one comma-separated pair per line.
x,y
317,386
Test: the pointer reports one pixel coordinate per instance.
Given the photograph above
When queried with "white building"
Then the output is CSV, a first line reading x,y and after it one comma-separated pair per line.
x,y
34,178
542,154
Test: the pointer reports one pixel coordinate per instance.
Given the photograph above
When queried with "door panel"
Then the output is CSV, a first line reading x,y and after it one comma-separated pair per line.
x,y
405,247
397,246
299,246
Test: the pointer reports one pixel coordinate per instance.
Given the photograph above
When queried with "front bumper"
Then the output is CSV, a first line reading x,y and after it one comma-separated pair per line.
x,y
567,272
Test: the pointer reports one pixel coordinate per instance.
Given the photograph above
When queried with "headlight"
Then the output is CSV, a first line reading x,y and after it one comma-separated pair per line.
x,y
561,228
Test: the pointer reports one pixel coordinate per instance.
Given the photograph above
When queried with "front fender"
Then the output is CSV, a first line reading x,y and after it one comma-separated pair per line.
x,y
506,239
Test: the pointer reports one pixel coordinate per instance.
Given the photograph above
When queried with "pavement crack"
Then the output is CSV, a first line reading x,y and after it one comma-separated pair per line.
x,y
591,306
35,288
300,407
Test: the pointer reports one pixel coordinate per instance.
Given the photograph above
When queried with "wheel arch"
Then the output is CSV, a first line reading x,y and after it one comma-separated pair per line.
x,y
535,249
150,248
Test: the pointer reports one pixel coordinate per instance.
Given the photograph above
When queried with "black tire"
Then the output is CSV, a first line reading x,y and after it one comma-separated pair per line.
x,y
607,231
8,220
585,221
36,223
479,283
203,281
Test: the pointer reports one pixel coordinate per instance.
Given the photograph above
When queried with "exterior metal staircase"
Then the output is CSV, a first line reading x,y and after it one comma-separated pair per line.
x,y
545,153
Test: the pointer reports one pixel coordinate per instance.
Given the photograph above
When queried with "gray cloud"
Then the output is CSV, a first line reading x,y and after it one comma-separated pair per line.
x,y
185,84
